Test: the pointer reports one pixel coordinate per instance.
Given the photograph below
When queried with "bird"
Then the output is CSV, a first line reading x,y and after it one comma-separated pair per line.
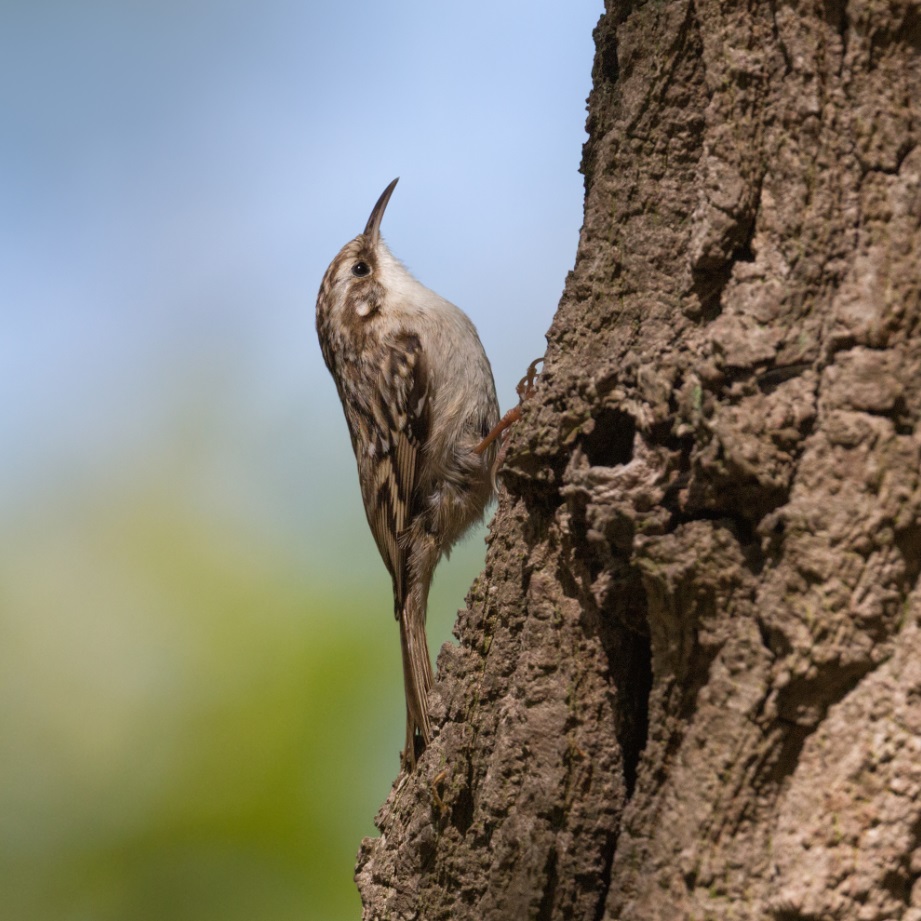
x,y
418,395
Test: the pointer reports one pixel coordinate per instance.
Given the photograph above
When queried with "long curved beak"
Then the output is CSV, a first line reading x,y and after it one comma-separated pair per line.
x,y
373,227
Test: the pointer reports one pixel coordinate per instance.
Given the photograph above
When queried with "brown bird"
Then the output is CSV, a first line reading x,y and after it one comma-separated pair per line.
x,y
418,395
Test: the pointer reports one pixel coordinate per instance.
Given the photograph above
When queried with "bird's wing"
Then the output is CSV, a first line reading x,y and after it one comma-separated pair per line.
x,y
391,461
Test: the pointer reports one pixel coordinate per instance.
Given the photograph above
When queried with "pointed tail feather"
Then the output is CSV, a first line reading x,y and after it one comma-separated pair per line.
x,y
417,681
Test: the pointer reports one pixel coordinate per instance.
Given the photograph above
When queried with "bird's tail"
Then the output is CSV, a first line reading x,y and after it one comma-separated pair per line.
x,y
417,679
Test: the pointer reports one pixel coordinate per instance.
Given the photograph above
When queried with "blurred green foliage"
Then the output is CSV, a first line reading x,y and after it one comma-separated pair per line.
x,y
194,724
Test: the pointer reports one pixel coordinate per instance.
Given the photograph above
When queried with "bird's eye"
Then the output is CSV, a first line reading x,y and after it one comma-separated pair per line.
x,y
360,269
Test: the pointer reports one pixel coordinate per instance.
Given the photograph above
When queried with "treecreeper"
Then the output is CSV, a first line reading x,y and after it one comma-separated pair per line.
x,y
418,395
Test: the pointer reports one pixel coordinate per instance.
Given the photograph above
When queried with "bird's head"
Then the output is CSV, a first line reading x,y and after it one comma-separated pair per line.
x,y
353,287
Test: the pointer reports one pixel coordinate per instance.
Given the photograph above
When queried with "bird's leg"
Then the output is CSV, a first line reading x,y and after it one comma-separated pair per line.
x,y
525,390
508,420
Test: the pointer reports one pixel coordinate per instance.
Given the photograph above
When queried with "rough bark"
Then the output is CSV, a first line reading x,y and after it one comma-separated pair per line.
x,y
688,683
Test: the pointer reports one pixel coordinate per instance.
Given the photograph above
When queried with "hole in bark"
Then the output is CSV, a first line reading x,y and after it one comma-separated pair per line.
x,y
788,752
908,542
765,634
708,287
909,32
545,910
629,656
610,845
897,884
622,627
634,724
768,381
749,544
610,442
606,59
712,273
901,418
775,642
462,811
744,253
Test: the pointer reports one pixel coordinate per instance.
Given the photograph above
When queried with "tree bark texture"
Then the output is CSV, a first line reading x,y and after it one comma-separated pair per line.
x,y
688,683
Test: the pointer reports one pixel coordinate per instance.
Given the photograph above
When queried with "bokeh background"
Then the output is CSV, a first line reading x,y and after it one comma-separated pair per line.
x,y
200,697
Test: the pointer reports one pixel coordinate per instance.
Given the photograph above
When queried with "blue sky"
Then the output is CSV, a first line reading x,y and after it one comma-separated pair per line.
x,y
174,179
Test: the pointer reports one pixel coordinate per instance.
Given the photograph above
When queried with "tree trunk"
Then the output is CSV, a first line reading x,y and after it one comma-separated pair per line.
x,y
688,683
